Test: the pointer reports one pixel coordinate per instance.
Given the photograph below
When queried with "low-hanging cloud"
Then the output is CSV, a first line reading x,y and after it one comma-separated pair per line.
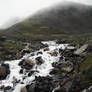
x,y
23,8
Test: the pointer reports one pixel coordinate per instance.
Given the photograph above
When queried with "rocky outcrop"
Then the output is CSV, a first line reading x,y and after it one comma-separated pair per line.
x,y
42,84
82,49
62,69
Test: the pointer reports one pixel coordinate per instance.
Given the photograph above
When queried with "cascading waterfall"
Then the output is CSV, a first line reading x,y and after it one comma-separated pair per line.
x,y
42,70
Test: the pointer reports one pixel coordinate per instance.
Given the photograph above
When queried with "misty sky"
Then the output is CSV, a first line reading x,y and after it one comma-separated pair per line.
x,y
10,9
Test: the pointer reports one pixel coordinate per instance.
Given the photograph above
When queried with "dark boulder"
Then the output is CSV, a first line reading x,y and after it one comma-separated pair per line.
x,y
46,49
21,71
39,60
26,63
42,84
61,69
39,53
32,72
25,51
4,71
8,89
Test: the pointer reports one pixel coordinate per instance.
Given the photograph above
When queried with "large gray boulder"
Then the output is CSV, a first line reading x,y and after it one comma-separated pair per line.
x,y
82,49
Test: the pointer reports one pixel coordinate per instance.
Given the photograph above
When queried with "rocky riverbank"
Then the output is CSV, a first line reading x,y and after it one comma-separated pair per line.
x,y
47,67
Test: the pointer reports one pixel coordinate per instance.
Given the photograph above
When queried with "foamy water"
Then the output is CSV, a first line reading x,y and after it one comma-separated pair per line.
x,y
43,69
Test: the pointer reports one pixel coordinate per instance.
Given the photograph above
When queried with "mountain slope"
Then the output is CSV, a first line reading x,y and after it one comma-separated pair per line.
x,y
59,19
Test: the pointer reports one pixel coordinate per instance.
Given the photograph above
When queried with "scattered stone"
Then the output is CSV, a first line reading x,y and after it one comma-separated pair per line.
x,y
39,60
32,72
21,71
52,53
46,49
39,53
25,51
32,54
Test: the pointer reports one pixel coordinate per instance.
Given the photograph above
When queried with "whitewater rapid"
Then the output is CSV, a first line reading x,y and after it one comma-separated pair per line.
x,y
43,69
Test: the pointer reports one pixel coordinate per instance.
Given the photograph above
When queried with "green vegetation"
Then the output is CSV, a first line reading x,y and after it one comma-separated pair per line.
x,y
8,45
9,50
87,62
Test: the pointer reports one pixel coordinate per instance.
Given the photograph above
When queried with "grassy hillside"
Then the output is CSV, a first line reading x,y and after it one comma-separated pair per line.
x,y
57,22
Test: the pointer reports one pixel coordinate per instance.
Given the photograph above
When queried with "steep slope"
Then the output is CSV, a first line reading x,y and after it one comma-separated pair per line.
x,y
60,19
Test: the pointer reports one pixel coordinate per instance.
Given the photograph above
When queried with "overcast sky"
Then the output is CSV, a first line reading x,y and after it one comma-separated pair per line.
x,y
21,8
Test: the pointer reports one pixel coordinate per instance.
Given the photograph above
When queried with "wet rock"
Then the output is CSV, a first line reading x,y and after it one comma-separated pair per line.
x,y
32,54
68,55
54,64
39,53
15,81
61,57
42,84
61,50
27,63
4,71
52,53
8,89
54,71
31,87
25,51
61,69
39,60
24,89
21,71
22,82
46,49
21,63
32,72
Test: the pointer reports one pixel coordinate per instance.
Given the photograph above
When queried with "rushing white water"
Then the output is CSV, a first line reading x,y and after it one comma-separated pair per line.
x,y
43,69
